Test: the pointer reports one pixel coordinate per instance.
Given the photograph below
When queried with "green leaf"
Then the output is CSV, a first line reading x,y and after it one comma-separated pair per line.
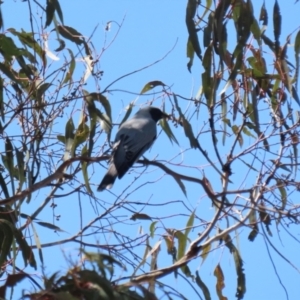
x,y
297,44
248,165
1,101
191,27
295,149
263,15
151,85
181,242
6,239
207,8
152,228
37,243
81,136
26,69
69,138
50,282
21,166
281,165
96,114
166,128
8,214
128,112
241,283
223,38
180,183
3,185
71,34
238,53
186,126
27,38
205,251
5,162
72,65
104,261
189,224
38,94
256,31
50,226
189,133
103,100
69,131
9,156
43,88
84,166
92,110
190,54
1,19
253,224
282,190
241,280
170,245
247,132
251,126
207,35
25,249
287,80
140,216
8,48
25,216
227,122
61,138
224,114
203,287
9,73
208,30
105,103
50,9
220,281
297,60
276,21
207,80
268,42
295,95
74,36
207,60
235,130
265,218
186,271
105,122
62,45
58,10
191,9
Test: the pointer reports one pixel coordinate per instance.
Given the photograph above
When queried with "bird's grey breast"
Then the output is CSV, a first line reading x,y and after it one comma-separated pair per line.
x,y
132,140
137,131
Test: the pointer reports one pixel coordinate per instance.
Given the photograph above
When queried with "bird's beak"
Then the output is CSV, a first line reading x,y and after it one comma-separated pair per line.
x,y
166,116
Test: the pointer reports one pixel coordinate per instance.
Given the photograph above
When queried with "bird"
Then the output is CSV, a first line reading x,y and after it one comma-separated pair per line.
x,y
134,137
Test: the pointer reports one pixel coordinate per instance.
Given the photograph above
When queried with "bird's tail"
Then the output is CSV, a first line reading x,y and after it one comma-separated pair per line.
x,y
109,178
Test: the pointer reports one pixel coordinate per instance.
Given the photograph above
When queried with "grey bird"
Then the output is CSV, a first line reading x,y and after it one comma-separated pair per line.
x,y
134,137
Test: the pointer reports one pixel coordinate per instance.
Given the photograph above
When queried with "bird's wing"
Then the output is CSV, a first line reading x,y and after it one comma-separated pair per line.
x,y
131,143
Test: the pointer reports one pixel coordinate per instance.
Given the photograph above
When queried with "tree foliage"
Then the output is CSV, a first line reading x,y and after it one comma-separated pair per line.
x,y
55,131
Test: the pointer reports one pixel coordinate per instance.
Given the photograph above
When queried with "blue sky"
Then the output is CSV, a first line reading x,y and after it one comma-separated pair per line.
x,y
150,29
